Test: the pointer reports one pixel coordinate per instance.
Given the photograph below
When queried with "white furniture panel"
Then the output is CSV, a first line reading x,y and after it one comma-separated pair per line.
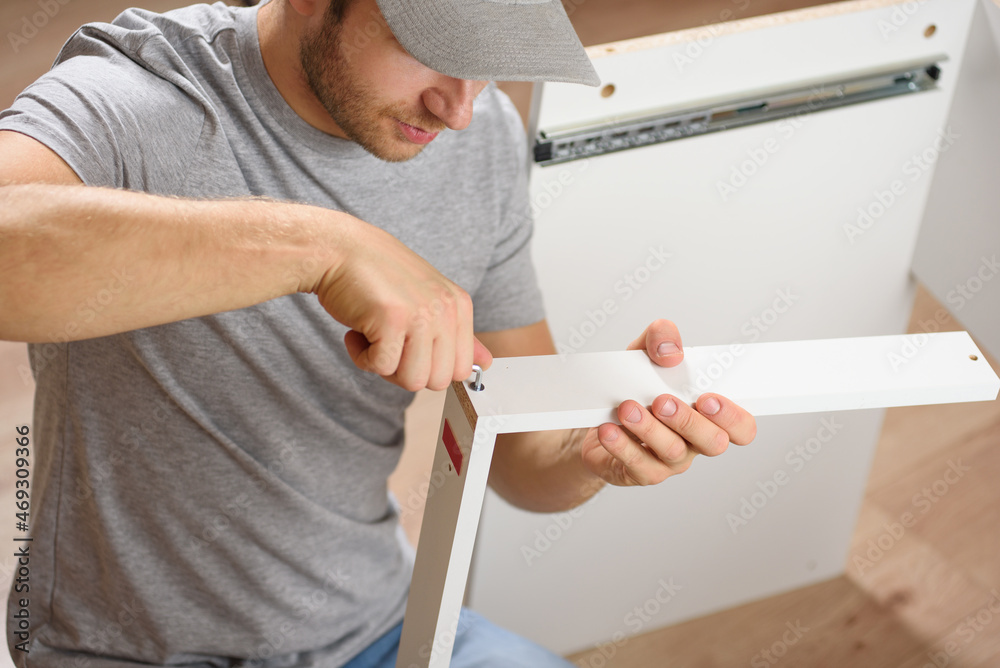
x,y
554,392
778,378
802,228
958,254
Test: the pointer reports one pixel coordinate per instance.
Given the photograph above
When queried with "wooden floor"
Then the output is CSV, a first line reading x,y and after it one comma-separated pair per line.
x,y
923,595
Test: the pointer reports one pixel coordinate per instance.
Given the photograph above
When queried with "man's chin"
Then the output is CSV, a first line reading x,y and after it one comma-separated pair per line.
x,y
399,152
394,147
387,142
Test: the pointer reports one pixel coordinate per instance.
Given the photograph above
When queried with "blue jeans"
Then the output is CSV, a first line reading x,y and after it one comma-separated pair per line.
x,y
478,644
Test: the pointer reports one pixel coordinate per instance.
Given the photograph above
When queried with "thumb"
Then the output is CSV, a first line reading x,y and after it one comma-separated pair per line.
x,y
662,343
481,355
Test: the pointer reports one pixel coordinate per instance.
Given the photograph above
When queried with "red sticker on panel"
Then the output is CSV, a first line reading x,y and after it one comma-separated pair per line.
x,y
451,445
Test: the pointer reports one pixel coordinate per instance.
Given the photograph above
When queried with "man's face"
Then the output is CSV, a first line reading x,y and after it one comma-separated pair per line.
x,y
380,96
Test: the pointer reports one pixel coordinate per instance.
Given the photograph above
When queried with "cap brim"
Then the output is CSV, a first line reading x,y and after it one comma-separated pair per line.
x,y
491,40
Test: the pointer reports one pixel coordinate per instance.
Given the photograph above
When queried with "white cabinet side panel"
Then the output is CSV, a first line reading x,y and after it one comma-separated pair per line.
x,y
958,253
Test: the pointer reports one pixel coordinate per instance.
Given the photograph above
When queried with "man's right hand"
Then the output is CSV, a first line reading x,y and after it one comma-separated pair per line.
x,y
408,322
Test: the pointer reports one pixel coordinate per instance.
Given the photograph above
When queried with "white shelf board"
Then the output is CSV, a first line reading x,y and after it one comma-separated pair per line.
x,y
775,378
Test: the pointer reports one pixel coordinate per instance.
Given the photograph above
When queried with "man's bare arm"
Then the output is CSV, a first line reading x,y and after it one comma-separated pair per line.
x,y
151,260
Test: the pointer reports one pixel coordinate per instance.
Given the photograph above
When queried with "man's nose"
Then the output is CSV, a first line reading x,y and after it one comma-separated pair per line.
x,y
451,100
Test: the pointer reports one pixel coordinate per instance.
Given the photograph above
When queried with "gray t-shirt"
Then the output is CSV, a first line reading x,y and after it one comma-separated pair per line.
x,y
214,490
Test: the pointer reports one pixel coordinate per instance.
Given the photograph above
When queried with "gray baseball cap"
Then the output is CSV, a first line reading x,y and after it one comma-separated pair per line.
x,y
491,40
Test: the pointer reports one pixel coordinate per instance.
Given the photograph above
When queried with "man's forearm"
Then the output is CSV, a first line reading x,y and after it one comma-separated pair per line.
x,y
543,471
79,262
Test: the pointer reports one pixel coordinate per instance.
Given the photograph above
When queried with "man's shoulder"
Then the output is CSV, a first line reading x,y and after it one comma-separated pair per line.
x,y
136,93
142,58
157,42
142,35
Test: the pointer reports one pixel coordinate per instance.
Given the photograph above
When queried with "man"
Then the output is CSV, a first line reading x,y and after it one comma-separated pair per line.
x,y
209,486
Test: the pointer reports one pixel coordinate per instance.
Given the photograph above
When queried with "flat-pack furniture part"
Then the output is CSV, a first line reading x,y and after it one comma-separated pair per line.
x,y
520,394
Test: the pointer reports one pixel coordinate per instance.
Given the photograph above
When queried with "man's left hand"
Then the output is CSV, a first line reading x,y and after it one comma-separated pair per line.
x,y
655,442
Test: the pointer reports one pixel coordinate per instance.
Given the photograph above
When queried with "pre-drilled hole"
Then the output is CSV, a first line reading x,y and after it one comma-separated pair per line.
x,y
608,90
973,357
931,29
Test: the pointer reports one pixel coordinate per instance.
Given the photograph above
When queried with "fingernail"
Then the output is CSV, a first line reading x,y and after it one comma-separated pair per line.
x,y
611,436
667,348
669,408
710,406
633,415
